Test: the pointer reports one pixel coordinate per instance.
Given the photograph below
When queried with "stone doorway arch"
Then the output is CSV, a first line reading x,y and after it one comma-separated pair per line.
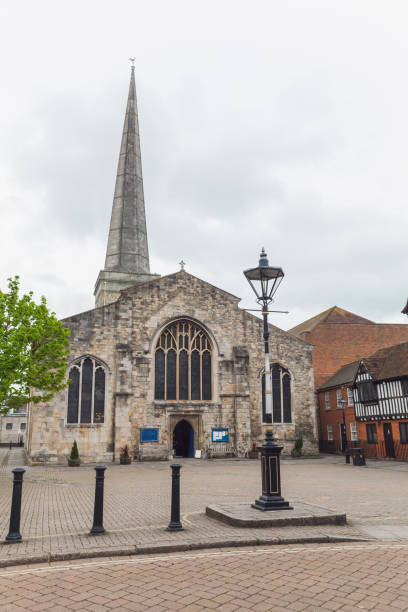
x,y
183,439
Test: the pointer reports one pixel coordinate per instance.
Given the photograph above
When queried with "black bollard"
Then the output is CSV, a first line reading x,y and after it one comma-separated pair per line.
x,y
175,524
14,534
98,527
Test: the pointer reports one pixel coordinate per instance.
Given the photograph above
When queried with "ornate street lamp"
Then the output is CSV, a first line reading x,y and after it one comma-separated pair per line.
x,y
265,281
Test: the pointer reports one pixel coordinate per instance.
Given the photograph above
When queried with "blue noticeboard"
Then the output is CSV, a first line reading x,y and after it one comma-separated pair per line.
x,y
149,434
220,434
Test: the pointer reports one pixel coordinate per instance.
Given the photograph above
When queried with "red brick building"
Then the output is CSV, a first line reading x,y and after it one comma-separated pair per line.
x,y
337,429
340,337
366,404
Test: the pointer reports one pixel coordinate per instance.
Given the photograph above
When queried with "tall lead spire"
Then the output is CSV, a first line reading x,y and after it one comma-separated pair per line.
x,y
127,254
127,244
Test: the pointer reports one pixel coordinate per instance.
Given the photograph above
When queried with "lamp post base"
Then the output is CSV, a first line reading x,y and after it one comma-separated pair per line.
x,y
271,498
275,503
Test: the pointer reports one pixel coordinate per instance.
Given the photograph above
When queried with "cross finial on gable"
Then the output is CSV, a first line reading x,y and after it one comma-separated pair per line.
x,y
182,264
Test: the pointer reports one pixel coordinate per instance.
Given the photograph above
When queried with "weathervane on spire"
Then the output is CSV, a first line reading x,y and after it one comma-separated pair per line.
x,y
132,61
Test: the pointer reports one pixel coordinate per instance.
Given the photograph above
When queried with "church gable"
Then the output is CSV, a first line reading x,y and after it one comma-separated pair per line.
x,y
180,281
182,294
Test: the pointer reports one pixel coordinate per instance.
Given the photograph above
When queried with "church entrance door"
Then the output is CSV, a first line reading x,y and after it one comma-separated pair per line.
x,y
183,439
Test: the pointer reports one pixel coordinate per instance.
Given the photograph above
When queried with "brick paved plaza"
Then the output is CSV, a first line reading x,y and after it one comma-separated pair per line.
x,y
326,577
57,506
57,515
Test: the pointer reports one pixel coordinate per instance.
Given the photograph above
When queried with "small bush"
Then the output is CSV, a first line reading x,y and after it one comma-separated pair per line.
x,y
124,452
297,448
74,456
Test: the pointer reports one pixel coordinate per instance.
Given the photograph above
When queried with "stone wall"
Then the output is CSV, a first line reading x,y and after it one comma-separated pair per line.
x,y
123,336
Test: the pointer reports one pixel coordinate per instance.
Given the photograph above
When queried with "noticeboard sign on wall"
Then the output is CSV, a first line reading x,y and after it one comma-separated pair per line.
x,y
220,434
149,434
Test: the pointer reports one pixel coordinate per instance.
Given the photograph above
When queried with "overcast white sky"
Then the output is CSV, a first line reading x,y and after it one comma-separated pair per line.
x,y
263,123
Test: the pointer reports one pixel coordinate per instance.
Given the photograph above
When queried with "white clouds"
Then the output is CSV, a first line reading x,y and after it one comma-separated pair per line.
x,y
262,123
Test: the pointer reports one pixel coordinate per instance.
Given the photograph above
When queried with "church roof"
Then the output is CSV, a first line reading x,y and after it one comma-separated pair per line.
x,y
127,249
334,315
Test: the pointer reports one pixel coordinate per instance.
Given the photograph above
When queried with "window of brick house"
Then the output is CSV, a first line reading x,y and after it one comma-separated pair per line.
x,y
330,432
350,399
327,400
86,391
403,427
339,397
9,425
353,431
371,429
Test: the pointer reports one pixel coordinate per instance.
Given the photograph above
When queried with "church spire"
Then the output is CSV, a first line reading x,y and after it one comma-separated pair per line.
x,y
127,253
127,248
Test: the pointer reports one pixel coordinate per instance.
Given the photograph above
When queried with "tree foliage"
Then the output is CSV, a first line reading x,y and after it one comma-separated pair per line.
x,y
33,350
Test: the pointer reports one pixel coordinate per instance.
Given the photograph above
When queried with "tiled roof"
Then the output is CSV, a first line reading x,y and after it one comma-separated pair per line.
x,y
334,315
391,362
344,376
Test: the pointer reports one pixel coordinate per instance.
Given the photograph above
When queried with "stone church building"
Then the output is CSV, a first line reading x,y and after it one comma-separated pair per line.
x,y
167,365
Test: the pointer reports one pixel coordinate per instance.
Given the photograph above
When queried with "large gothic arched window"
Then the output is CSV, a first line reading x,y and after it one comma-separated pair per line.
x,y
183,363
86,391
281,396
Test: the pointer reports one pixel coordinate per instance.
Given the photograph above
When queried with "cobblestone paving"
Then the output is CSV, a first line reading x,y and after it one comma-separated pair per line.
x,y
57,505
299,578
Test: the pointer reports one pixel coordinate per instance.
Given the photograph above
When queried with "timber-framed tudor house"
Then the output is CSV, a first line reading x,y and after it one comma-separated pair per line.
x,y
375,390
380,393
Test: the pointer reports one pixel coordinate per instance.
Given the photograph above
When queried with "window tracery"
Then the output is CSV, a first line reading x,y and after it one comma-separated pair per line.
x,y
86,391
281,396
183,363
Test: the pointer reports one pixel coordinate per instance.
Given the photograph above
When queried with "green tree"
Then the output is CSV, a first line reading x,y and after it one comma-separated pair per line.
x,y
33,350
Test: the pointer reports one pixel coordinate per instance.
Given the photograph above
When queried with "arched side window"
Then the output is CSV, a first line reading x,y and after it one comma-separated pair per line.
x,y
281,396
183,363
86,391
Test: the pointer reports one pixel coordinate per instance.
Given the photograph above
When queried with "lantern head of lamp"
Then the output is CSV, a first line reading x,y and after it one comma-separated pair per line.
x,y
264,280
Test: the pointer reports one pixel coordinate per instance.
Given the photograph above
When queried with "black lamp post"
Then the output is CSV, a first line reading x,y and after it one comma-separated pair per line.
x,y
265,281
344,440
